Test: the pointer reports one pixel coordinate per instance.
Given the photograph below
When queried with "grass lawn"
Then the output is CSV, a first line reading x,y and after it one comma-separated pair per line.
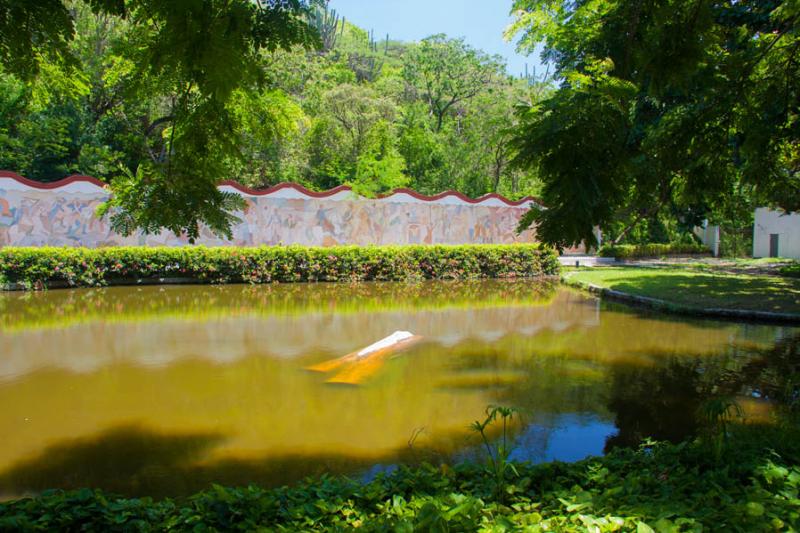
x,y
765,265
698,289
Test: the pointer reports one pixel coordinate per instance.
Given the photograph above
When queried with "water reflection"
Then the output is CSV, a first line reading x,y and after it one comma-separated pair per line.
x,y
163,391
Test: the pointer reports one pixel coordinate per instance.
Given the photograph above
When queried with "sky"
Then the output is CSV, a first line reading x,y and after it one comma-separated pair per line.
x,y
480,22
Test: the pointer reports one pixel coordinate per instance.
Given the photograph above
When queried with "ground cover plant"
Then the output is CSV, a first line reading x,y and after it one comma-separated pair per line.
x,y
84,267
659,487
697,289
791,270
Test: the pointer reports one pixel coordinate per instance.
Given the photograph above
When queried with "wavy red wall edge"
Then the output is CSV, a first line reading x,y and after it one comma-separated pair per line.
x,y
286,185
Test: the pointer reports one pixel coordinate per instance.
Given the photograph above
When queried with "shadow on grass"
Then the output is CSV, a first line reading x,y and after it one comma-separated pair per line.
x,y
710,291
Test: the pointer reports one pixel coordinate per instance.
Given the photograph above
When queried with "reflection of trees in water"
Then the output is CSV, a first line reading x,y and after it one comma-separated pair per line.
x,y
774,376
654,402
663,402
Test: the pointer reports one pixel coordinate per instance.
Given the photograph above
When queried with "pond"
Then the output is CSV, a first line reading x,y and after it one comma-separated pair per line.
x,y
162,391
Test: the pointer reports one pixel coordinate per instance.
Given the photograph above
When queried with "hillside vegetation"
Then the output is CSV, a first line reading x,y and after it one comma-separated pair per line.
x,y
364,110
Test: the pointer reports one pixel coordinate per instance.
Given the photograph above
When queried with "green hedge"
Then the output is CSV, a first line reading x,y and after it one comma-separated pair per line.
x,y
661,487
630,251
89,267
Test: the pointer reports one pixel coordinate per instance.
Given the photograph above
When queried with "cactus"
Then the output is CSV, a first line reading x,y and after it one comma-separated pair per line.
x,y
326,22
366,67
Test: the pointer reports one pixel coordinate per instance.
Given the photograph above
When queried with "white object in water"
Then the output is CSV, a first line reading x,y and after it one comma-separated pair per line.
x,y
386,342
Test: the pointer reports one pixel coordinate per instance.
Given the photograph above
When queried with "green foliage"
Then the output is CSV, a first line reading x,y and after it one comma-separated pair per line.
x,y
164,105
719,413
270,123
86,267
682,106
353,141
166,76
660,487
790,271
447,72
143,199
633,251
500,468
29,30
380,168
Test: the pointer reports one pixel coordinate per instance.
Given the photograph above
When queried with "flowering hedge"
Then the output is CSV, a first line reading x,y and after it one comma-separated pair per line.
x,y
88,267
630,251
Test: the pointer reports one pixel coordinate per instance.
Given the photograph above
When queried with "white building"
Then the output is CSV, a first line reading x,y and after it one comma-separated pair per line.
x,y
709,236
776,234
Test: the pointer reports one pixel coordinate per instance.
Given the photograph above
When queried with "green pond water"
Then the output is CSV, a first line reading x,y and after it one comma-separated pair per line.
x,y
165,390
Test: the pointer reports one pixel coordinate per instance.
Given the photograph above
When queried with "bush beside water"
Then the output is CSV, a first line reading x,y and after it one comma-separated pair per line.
x,y
660,487
89,267
631,251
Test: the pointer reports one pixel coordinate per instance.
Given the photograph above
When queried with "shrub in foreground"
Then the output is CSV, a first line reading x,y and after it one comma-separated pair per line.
x,y
790,271
661,487
631,251
87,267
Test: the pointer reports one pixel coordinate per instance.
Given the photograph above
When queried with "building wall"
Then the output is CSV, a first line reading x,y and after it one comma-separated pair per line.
x,y
709,236
787,227
63,214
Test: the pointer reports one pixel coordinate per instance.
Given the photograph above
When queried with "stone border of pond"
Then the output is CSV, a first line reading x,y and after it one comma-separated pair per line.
x,y
678,309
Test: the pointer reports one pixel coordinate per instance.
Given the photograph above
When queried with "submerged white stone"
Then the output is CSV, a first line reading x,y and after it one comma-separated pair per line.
x,y
391,340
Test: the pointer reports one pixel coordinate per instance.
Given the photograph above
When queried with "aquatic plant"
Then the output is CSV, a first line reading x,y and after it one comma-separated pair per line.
x,y
717,414
498,452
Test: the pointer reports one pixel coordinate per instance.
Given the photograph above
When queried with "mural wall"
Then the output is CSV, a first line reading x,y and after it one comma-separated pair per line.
x,y
63,214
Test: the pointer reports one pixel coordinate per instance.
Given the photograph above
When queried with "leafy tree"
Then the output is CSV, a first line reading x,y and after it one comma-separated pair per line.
x,y
447,72
36,33
357,109
116,103
486,121
272,125
380,167
661,105
194,55
353,140
424,151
